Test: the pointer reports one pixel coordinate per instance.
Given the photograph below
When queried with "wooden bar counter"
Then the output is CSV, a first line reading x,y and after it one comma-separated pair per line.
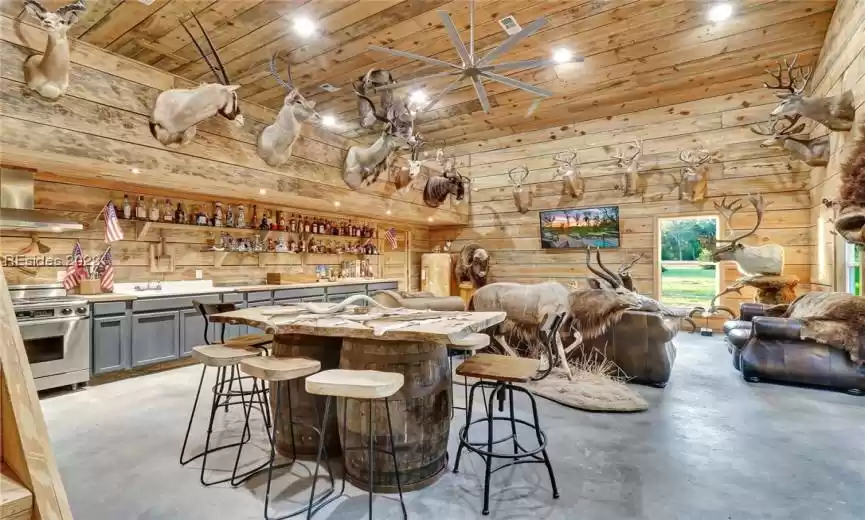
x,y
410,342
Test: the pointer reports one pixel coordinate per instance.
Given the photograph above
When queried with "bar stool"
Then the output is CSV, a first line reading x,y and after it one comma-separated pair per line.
x,y
501,372
466,346
363,385
276,369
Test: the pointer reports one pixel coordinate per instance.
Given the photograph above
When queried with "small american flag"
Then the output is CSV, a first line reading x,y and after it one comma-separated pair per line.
x,y
106,271
390,235
75,270
113,232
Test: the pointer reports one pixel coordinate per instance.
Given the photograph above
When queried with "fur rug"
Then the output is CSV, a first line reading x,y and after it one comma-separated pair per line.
x,y
595,310
834,319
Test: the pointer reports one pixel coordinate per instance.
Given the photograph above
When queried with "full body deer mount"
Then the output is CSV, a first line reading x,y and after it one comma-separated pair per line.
x,y
450,182
780,132
522,198
752,260
568,170
178,111
48,74
366,85
277,139
363,164
694,180
835,113
630,165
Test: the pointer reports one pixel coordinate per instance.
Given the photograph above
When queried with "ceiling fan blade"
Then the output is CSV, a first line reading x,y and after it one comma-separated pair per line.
x,y
454,35
528,64
413,56
442,94
421,79
513,40
517,84
482,93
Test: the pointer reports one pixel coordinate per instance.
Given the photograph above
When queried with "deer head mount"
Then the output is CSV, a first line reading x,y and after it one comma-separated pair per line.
x,y
752,260
619,281
178,111
48,74
450,182
568,170
781,132
836,112
404,176
375,80
694,179
522,198
628,159
277,139
363,164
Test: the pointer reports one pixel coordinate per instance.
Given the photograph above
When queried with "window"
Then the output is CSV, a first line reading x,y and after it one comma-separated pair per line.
x,y
688,276
853,259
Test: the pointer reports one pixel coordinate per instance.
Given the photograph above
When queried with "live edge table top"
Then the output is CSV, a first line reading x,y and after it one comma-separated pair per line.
x,y
380,324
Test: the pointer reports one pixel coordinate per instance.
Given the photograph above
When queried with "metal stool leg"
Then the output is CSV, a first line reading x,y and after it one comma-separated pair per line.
x,y
468,422
544,451
393,455
230,380
321,444
513,419
371,454
192,416
244,437
489,459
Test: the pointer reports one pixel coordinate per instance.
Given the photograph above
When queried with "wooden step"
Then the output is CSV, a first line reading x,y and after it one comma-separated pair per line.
x,y
16,501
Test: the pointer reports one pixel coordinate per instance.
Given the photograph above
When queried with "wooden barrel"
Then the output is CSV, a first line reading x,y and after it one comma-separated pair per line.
x,y
325,350
420,414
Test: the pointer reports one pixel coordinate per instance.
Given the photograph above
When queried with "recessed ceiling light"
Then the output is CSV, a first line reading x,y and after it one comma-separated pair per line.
x,y
262,191
429,219
720,12
562,55
388,212
304,26
136,171
418,97
337,204
328,121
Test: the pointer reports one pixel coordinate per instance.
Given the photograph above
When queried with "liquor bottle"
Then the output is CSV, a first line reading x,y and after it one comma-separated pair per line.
x,y
302,246
140,209
154,209
167,214
241,217
307,227
218,217
127,209
281,223
229,217
254,222
179,215
292,225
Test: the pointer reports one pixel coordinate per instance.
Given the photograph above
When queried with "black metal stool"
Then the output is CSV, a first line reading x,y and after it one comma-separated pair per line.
x,y
364,385
466,347
500,372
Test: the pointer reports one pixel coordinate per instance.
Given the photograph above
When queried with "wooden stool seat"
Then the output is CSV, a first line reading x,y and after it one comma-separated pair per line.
x,y
222,356
271,368
496,367
472,342
249,340
358,384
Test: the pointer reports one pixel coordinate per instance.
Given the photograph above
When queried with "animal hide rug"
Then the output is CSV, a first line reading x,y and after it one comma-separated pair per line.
x,y
834,319
595,310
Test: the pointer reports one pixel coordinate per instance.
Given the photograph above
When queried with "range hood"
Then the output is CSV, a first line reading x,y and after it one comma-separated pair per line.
x,y
16,206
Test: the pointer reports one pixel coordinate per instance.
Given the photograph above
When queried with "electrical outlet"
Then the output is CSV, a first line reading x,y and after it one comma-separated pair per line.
x,y
61,275
199,274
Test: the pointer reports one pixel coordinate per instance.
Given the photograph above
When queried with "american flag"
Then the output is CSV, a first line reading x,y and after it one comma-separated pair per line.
x,y
106,271
390,235
113,232
75,270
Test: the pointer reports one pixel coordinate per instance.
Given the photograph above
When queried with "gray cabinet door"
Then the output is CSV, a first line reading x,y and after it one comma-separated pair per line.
x,y
231,331
110,343
192,331
155,337
319,299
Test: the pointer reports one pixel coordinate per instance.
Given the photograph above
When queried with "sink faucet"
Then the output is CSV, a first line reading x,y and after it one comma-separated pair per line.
x,y
151,286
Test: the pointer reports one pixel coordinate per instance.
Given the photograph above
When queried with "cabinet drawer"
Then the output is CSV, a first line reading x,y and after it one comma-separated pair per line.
x,y
258,296
382,286
347,289
104,309
177,302
306,292
232,297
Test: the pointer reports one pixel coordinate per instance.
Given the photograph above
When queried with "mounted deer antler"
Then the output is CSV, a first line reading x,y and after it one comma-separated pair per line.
x,y
693,179
404,176
836,113
568,163
48,74
752,260
624,271
177,112
277,140
813,152
522,198
631,165
370,82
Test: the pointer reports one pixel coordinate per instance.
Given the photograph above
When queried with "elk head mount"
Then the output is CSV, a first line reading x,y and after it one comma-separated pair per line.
x,y
835,113
752,260
375,80
363,164
522,198
177,112
450,182
693,181
276,141
628,159
568,170
48,73
781,132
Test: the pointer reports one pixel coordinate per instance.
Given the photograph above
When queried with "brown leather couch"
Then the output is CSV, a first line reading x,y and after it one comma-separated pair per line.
x,y
419,300
641,345
770,348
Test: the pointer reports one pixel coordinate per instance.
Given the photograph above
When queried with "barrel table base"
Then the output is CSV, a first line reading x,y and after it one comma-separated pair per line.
x,y
420,414
303,405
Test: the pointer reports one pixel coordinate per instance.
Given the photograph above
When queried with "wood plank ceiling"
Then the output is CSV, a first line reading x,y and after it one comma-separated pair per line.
x,y
639,53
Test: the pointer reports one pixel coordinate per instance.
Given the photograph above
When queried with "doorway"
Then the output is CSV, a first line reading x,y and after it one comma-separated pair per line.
x,y
688,277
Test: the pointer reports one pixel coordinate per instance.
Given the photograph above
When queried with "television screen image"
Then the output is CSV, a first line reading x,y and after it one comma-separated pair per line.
x,y
580,228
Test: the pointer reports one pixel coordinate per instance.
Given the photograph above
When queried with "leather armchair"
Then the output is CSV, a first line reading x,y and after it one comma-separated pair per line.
x,y
738,332
419,300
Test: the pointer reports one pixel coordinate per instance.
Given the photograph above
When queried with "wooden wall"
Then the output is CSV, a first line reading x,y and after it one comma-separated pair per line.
x,y
841,67
720,123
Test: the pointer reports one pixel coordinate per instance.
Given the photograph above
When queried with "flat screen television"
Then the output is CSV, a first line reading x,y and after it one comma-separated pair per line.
x,y
579,228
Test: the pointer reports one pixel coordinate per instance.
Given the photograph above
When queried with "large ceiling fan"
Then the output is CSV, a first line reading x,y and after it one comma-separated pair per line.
x,y
475,67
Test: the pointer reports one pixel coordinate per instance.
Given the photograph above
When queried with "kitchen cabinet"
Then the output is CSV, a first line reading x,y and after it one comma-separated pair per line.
x,y
155,337
231,331
192,327
111,342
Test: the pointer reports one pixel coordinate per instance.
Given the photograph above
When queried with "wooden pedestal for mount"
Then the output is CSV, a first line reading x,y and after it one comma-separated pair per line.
x,y
772,289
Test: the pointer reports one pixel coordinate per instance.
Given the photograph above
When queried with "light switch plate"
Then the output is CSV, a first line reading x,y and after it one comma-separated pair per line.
x,y
199,274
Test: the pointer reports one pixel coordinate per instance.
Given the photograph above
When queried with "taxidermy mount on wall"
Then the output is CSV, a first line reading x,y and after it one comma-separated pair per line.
x,y
450,182
363,164
367,85
850,222
752,260
473,265
630,165
813,152
48,73
618,280
404,176
693,180
176,112
277,140
522,198
568,170
835,113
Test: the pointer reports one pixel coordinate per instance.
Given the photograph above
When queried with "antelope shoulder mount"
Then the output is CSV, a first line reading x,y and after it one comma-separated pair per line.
x,y
48,73
752,260
450,182
629,161
568,169
177,112
781,132
522,198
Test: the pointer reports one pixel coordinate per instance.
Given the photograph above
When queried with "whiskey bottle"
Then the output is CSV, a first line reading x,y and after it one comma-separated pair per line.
x,y
179,215
127,209
292,225
307,227
141,208
167,214
154,210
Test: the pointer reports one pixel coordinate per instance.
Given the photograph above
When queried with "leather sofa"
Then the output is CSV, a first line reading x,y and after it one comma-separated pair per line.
x,y
419,300
770,348
641,345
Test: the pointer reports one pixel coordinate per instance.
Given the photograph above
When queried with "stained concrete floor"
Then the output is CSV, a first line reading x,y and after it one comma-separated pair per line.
x,y
711,447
